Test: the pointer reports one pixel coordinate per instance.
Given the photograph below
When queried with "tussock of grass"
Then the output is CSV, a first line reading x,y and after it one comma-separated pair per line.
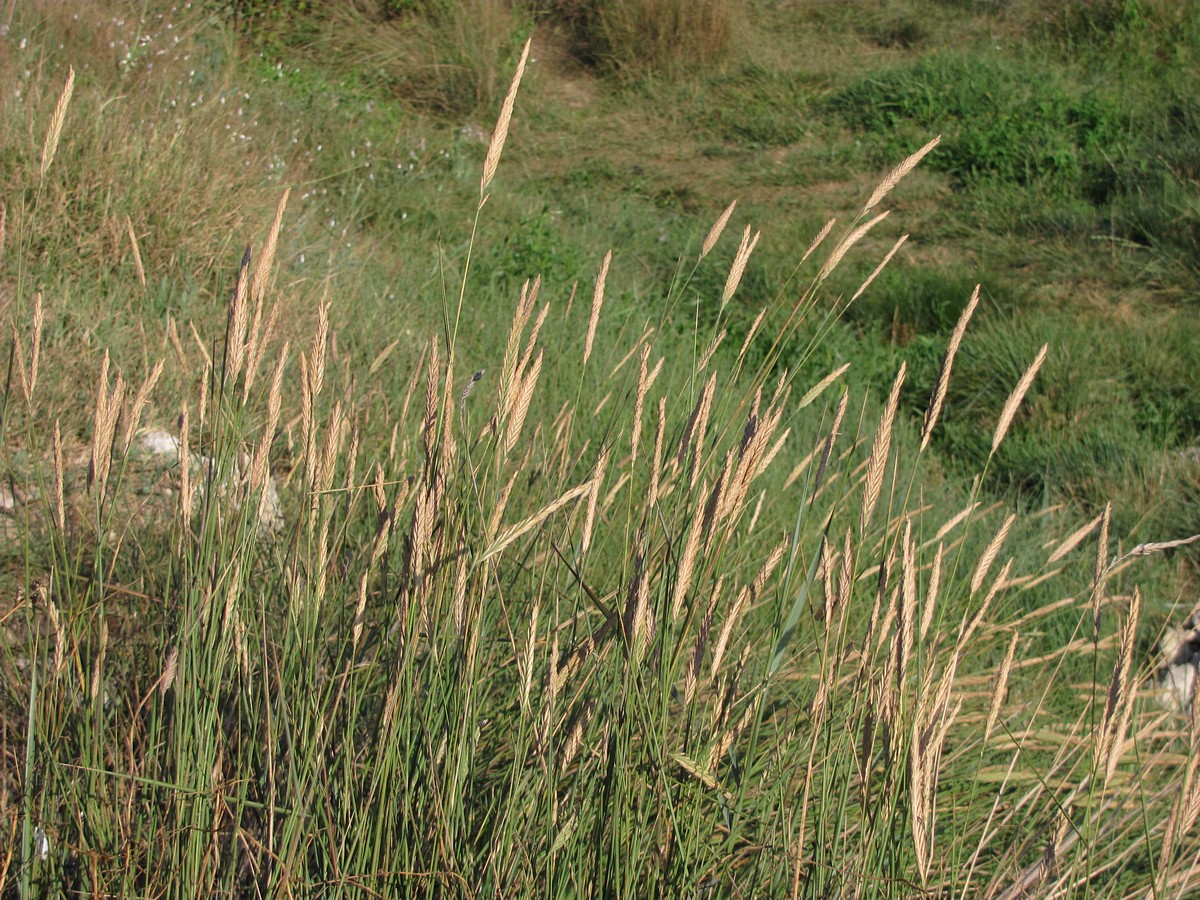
x,y
604,617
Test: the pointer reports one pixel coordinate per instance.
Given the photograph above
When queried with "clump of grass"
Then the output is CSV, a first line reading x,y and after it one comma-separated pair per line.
x,y
608,620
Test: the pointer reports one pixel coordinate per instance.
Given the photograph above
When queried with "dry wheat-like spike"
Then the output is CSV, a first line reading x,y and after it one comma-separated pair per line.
x,y
266,259
687,565
108,410
879,452
1101,569
139,405
827,450
239,319
185,468
752,333
138,268
509,375
637,346
597,302
1015,398
692,675
893,177
528,524
968,627
496,147
656,469
707,355
955,520
521,404
714,233
935,580
846,243
597,482
819,388
1001,688
54,132
167,679
35,350
98,667
525,661
989,554
816,242
701,429
801,467
906,620
638,401
879,268
1074,540
739,265
943,380
60,517
1119,707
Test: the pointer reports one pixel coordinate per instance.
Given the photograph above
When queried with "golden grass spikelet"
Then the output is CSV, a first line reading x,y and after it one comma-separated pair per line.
x,y
893,177
525,661
819,388
521,404
509,383
528,524
170,669
266,259
1015,398
1101,568
991,552
938,398
589,519
748,595
752,333
687,564
133,420
739,265
35,350
185,469
108,410
1001,689
97,685
907,607
60,517
879,268
714,233
707,355
931,595
816,242
138,268
54,132
843,247
496,147
597,303
834,430
638,402
1119,707
968,627
239,319
879,452
656,470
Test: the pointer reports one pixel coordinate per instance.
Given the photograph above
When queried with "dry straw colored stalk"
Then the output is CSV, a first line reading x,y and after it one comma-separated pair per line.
x,y
819,388
879,452
54,132
597,302
816,242
844,246
138,268
528,524
1001,688
739,265
1015,398
894,176
879,268
496,147
714,233
1119,707
1074,540
939,389
990,553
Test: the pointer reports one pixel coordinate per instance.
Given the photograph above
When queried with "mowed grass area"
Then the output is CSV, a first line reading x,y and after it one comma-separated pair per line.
x,y
478,561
